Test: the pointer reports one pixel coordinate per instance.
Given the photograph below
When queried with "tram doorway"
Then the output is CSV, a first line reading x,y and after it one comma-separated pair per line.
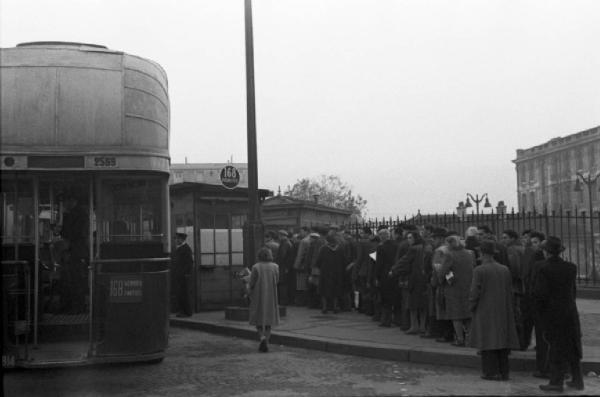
x,y
45,266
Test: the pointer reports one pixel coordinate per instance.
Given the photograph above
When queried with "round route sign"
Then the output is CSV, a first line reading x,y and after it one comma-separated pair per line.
x,y
230,177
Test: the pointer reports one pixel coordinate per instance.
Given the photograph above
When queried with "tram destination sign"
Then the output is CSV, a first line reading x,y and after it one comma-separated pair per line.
x,y
230,177
126,289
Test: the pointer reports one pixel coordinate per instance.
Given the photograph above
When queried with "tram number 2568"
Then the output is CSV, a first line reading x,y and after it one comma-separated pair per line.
x,y
105,161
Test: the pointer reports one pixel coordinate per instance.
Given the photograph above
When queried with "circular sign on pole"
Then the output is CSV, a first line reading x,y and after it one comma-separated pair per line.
x,y
230,177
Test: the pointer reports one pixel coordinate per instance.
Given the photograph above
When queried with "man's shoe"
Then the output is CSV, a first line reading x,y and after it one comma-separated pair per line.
x,y
412,332
575,385
557,388
541,375
428,336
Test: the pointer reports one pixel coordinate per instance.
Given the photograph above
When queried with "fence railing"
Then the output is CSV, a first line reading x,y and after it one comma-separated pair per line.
x,y
578,230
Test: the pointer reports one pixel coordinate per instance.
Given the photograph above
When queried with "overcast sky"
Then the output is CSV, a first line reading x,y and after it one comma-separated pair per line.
x,y
413,103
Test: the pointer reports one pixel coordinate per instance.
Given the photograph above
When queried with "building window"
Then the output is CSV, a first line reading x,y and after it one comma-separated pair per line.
x,y
532,203
531,173
524,201
579,159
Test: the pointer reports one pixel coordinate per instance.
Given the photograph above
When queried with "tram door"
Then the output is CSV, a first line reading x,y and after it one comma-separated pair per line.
x,y
45,256
63,306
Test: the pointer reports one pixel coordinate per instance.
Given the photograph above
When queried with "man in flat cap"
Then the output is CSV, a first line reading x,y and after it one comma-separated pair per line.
x,y
554,293
182,262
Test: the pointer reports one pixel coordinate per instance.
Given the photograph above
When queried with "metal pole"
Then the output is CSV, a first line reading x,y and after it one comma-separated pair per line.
x,y
589,186
254,223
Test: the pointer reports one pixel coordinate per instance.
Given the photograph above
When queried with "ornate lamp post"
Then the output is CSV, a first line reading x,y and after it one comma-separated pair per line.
x,y
477,200
589,181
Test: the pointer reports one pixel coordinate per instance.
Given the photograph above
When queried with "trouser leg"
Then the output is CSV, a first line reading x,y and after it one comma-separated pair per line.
x,y
503,365
541,349
489,362
576,375
557,372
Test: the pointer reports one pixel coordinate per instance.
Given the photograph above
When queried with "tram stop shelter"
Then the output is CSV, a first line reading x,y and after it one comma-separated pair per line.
x,y
213,218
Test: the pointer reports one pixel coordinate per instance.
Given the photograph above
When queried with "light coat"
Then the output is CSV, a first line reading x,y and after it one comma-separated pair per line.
x,y
461,263
264,309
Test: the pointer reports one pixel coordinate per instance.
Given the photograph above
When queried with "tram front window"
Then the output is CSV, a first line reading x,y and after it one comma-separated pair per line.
x,y
130,218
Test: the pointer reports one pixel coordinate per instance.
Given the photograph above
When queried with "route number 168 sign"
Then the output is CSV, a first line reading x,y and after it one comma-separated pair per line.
x,y
230,177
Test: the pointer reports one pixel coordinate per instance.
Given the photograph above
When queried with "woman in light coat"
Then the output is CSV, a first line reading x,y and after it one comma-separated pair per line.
x,y
458,273
264,310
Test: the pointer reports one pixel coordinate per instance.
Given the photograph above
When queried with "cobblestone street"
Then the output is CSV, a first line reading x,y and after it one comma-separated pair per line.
x,y
200,364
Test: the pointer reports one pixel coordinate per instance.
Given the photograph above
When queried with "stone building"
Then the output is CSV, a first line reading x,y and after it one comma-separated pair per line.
x,y
546,174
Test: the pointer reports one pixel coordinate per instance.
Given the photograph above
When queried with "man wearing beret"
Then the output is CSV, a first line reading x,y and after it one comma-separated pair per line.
x,y
555,300
182,263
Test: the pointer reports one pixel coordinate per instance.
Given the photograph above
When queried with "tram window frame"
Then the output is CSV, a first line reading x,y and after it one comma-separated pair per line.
x,y
150,223
22,229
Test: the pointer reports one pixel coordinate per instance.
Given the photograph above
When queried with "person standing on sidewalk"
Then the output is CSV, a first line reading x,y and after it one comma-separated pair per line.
x,y
555,298
264,310
384,281
183,262
301,267
412,265
537,261
493,330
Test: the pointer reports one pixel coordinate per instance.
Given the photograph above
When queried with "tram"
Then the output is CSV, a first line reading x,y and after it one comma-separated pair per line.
x,y
84,201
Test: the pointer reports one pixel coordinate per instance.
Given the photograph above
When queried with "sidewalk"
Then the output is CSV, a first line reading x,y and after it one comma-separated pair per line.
x,y
355,334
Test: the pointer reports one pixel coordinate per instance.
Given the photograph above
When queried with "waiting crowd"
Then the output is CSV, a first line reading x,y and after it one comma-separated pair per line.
x,y
433,283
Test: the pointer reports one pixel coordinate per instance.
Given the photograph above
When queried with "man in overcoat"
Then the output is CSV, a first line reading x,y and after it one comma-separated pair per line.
x,y
384,282
182,263
555,300
493,330
285,260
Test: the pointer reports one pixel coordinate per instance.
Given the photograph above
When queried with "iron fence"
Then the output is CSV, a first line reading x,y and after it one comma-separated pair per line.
x,y
578,230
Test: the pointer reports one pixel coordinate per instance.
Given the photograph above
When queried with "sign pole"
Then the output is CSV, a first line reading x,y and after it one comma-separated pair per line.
x,y
254,229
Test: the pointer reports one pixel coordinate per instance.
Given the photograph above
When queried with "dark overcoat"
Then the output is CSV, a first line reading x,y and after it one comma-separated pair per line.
x,y
493,325
182,262
388,284
264,309
555,302
332,264
363,263
461,262
438,280
412,266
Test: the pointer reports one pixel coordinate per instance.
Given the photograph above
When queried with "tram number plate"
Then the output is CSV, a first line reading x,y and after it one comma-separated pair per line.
x,y
126,289
8,361
105,161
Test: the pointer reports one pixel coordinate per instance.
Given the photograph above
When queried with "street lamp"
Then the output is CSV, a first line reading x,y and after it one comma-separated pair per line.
x,y
589,181
477,200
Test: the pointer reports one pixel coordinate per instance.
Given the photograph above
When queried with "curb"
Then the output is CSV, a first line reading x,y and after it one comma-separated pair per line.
x,y
371,350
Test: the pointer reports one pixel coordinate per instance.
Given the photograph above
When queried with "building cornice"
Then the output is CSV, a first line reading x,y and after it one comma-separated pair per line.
x,y
558,144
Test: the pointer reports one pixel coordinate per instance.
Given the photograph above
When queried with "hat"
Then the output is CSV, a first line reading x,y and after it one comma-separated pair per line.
x,y
181,235
553,245
317,235
439,232
283,232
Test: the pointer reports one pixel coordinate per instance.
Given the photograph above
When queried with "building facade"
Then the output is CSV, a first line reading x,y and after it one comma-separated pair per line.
x,y
546,174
